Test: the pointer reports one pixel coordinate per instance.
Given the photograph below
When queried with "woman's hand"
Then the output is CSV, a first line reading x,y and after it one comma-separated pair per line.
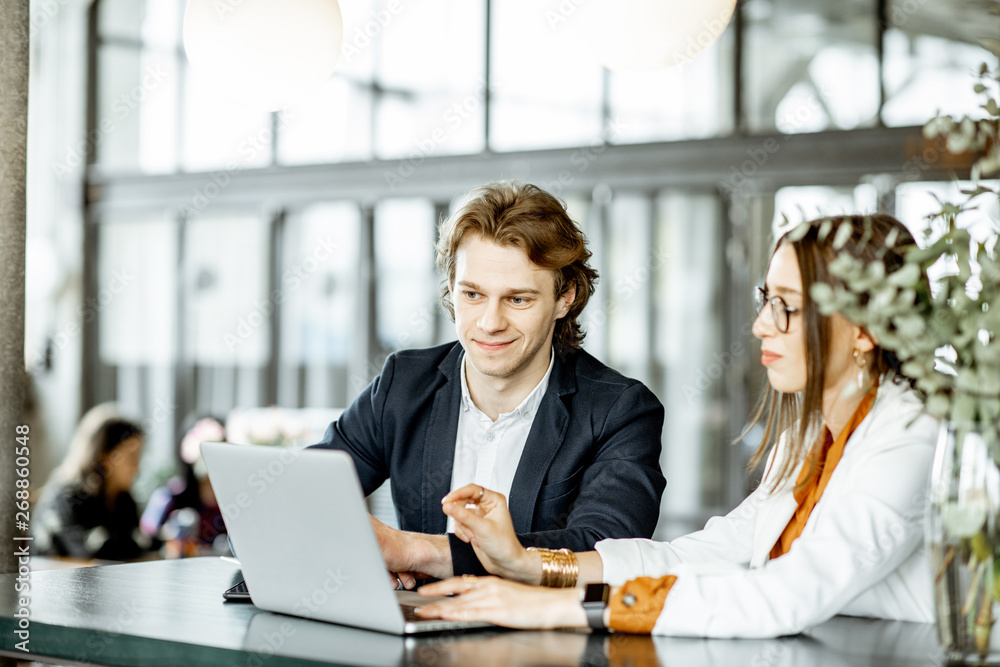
x,y
483,520
505,603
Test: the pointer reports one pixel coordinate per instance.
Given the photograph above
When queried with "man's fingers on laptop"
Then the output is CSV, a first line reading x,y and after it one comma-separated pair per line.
x,y
406,579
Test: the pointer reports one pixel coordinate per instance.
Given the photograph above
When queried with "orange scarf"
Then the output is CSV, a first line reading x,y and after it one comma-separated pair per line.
x,y
813,478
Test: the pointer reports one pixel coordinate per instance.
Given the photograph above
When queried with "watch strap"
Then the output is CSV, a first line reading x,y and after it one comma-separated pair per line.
x,y
595,600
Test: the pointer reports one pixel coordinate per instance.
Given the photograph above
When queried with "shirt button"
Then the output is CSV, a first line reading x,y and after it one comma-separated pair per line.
x,y
491,436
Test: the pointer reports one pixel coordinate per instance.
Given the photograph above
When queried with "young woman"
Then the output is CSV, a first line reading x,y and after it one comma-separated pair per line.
x,y
835,526
87,510
184,513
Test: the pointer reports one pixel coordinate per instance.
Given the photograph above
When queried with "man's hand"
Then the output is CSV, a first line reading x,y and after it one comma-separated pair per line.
x,y
411,556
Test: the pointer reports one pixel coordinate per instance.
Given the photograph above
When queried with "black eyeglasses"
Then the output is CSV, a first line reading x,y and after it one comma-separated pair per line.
x,y
780,311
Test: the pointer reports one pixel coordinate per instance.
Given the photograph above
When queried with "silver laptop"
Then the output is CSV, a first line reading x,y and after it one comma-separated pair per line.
x,y
299,526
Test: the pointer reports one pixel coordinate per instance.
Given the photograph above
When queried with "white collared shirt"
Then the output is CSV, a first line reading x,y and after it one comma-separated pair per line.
x,y
487,452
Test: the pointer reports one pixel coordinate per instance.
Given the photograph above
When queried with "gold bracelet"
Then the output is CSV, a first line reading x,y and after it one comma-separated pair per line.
x,y
560,568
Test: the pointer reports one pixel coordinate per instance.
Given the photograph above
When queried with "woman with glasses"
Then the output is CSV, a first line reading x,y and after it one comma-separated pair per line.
x,y
835,526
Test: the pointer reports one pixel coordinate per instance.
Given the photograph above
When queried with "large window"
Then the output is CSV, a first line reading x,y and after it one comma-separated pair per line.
x,y
279,257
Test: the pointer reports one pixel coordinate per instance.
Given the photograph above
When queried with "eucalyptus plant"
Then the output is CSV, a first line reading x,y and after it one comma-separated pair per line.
x,y
944,333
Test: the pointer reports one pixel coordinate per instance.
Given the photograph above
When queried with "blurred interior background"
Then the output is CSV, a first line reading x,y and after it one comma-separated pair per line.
x,y
186,255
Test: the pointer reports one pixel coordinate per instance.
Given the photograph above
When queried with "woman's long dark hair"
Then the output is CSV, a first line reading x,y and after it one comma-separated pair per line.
x,y
875,237
100,431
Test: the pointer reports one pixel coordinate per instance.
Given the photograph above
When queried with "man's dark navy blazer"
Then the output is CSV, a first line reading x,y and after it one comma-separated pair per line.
x,y
590,468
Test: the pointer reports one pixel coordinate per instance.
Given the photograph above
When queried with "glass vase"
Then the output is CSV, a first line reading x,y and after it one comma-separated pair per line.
x,y
962,537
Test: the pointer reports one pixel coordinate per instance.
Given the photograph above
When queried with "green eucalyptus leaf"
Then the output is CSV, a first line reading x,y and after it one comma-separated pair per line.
x,y
964,519
875,271
988,164
928,255
913,369
844,232
906,276
931,129
967,381
963,408
883,298
938,405
911,326
824,229
989,409
958,143
799,232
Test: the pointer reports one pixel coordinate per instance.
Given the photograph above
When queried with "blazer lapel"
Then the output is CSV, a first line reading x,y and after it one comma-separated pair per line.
x,y
548,430
439,444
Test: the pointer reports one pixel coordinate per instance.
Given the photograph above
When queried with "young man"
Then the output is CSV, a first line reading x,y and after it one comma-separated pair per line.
x,y
514,406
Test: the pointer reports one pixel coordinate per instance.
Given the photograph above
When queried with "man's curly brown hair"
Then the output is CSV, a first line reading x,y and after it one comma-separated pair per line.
x,y
524,216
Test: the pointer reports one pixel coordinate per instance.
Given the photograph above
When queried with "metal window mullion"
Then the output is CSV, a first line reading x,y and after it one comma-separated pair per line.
x,y
487,73
739,112
881,26
277,227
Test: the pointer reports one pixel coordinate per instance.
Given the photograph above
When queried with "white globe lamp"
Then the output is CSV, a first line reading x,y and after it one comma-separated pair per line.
x,y
642,35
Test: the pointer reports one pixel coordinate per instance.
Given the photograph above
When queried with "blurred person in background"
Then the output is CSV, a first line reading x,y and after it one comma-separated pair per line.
x,y
184,513
87,510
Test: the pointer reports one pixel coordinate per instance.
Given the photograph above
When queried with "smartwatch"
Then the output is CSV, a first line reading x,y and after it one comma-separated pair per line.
x,y
594,599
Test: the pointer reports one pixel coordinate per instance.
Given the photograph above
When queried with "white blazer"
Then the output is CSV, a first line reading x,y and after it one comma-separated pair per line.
x,y
861,552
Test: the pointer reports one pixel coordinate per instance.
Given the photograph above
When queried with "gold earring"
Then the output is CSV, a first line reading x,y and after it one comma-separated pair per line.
x,y
861,359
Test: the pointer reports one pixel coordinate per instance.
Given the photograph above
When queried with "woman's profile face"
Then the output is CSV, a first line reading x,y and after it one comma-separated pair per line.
x,y
122,464
783,354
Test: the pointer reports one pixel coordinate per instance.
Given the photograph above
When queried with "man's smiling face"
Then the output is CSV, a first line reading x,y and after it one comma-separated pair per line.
x,y
505,309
